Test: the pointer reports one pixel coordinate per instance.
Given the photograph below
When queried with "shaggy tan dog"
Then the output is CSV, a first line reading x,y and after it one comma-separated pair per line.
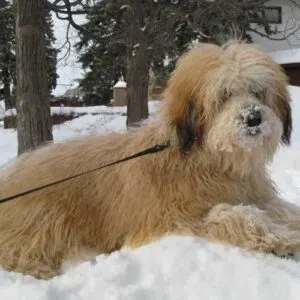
x,y
225,111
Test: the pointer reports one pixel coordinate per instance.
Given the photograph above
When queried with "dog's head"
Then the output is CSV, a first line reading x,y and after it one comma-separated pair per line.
x,y
231,100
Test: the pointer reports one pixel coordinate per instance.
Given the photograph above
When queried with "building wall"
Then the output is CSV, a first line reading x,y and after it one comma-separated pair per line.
x,y
290,21
293,73
120,96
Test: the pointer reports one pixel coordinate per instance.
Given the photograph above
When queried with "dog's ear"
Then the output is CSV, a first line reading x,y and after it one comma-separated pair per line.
x,y
187,128
287,122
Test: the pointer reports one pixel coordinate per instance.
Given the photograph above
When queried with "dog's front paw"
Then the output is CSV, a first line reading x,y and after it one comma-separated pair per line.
x,y
286,248
277,245
283,248
283,255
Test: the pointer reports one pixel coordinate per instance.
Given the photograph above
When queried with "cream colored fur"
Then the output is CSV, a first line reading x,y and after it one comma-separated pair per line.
x,y
211,182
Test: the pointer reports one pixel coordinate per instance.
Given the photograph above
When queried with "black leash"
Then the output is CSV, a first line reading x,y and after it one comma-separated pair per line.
x,y
155,149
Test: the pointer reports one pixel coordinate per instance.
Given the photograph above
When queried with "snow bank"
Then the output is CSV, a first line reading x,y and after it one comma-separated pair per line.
x,y
286,56
75,111
285,168
175,267
92,110
96,119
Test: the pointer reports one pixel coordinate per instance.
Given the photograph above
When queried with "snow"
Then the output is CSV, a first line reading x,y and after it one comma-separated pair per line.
x,y
247,137
286,165
174,267
65,110
93,119
68,68
92,110
289,56
120,84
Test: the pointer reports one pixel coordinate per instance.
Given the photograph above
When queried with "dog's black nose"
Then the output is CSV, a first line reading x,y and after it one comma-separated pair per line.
x,y
253,118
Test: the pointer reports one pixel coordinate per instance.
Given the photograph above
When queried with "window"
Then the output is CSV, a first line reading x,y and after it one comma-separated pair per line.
x,y
273,14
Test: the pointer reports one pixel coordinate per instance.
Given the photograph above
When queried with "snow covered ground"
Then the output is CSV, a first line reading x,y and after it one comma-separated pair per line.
x,y
175,267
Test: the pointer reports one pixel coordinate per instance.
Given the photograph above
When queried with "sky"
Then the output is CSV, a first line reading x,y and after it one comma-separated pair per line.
x,y
68,69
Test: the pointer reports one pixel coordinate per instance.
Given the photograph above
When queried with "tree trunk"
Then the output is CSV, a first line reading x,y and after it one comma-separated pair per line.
x,y
33,103
137,71
137,87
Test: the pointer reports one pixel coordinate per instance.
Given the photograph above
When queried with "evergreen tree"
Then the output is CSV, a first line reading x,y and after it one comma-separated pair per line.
x,y
32,95
51,51
105,58
7,52
130,37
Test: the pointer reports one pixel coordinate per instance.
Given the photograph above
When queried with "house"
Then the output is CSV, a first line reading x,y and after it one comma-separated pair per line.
x,y
284,15
290,60
120,94
72,97
284,46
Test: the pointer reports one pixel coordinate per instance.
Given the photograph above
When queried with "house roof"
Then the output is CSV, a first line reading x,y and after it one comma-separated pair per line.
x,y
120,84
284,57
74,92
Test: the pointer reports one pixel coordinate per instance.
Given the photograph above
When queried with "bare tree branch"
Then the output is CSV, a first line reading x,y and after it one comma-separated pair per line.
x,y
66,43
283,38
67,10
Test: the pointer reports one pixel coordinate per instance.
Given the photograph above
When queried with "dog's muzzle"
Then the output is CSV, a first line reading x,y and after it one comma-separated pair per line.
x,y
252,119
255,123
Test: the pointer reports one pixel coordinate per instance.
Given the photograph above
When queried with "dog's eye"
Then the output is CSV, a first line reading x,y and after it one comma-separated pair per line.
x,y
260,95
226,95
